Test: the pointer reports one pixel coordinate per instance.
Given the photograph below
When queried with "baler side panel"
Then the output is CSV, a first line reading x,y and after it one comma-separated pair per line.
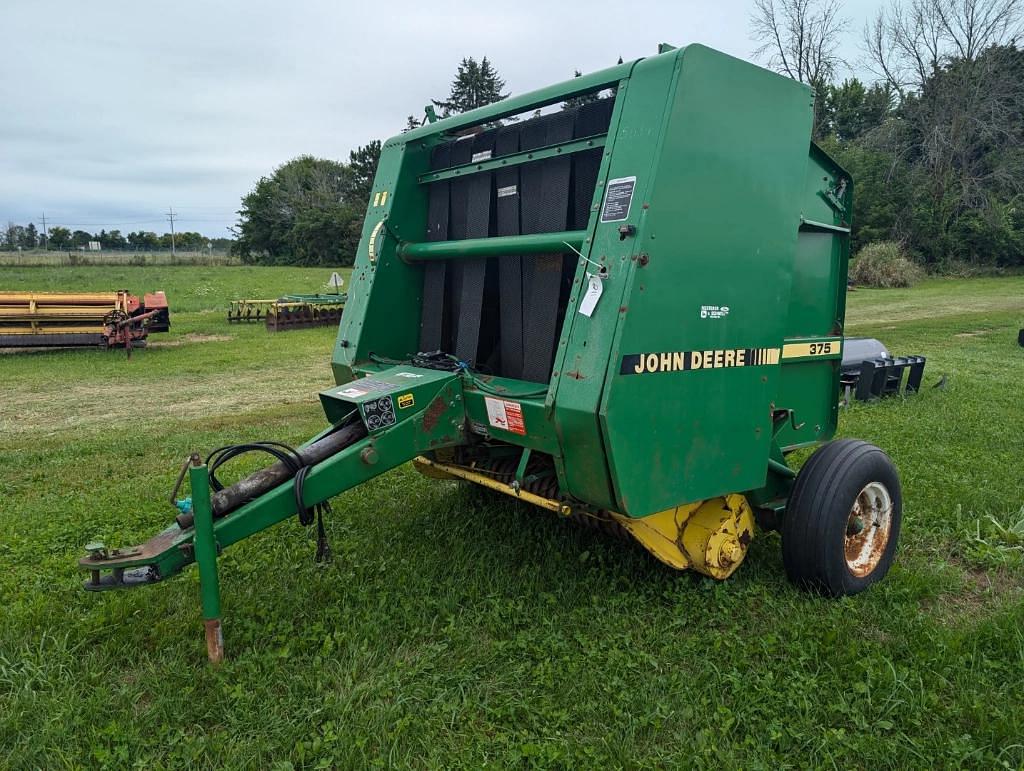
x,y
382,315
586,342
713,296
810,385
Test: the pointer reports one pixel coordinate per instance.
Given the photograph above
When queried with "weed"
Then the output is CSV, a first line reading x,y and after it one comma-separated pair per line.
x,y
884,265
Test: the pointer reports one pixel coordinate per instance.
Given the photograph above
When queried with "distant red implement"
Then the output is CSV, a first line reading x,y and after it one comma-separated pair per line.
x,y
57,319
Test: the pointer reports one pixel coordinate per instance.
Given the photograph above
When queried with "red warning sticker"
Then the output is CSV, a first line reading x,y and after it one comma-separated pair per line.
x,y
506,415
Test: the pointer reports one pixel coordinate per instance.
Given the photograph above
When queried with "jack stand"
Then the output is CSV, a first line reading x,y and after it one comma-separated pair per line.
x,y
206,558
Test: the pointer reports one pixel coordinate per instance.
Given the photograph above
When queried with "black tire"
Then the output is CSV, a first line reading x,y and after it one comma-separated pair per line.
x,y
819,530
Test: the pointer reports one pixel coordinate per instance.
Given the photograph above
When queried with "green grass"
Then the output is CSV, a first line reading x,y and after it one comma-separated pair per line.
x,y
42,258
454,630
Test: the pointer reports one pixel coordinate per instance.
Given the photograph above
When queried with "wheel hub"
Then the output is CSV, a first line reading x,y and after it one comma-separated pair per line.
x,y
868,528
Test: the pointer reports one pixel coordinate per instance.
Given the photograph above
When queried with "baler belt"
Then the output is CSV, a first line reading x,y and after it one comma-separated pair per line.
x,y
592,118
544,209
510,268
473,273
432,318
458,229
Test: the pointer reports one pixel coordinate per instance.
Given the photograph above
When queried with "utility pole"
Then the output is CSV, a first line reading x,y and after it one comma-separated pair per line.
x,y
170,216
46,244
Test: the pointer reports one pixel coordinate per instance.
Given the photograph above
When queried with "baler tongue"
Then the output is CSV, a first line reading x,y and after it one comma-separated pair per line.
x,y
378,423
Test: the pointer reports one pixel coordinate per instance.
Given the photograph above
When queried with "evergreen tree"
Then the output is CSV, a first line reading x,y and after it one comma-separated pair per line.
x,y
578,101
476,84
363,163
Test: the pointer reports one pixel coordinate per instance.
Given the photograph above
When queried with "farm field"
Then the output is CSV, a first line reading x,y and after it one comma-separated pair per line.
x,y
452,629
42,258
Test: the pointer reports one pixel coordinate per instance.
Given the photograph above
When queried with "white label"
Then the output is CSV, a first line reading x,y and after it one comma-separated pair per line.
x,y
484,155
714,311
408,374
507,191
506,415
594,289
352,393
618,199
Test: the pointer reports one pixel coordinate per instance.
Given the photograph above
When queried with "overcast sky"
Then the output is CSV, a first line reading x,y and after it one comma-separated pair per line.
x,y
113,111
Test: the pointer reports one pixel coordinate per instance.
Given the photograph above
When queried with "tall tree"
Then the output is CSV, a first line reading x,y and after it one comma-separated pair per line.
x,y
800,39
143,239
12,236
30,238
907,43
476,84
60,238
113,240
852,109
303,213
363,163
960,81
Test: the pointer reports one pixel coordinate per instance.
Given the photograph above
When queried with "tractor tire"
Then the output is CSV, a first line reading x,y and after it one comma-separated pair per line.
x,y
843,518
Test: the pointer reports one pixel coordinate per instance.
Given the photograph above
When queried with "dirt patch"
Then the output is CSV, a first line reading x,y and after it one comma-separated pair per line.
x,y
976,333
191,337
980,592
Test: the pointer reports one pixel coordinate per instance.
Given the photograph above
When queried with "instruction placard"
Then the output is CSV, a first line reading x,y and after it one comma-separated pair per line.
x,y
506,415
618,199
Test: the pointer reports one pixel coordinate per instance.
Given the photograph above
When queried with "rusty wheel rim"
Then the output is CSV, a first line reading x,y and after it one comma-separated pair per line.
x,y
868,528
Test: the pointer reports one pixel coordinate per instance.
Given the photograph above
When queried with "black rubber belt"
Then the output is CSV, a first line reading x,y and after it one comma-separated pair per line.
x,y
432,318
473,273
592,118
544,208
458,229
510,268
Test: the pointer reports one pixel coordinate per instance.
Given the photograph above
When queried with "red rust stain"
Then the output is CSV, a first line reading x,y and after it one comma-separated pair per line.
x,y
433,413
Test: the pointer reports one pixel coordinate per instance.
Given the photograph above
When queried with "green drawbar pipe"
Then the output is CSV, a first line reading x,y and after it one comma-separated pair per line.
x,y
206,557
534,243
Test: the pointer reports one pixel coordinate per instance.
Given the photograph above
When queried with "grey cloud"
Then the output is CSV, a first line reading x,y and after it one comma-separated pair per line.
x,y
114,110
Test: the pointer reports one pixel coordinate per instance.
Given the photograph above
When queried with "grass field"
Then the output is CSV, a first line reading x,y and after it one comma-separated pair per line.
x,y
44,258
453,630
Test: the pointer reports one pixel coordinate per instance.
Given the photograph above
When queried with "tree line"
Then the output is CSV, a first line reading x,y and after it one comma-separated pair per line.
x,y
310,211
934,139
935,143
60,238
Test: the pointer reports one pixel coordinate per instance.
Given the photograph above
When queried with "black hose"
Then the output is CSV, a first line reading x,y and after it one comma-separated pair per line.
x,y
291,464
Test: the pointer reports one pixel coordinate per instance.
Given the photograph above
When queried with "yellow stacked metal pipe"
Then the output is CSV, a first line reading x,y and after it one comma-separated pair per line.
x,y
27,313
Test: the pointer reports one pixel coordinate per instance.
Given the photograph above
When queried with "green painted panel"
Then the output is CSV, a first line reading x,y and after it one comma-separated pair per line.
x,y
720,232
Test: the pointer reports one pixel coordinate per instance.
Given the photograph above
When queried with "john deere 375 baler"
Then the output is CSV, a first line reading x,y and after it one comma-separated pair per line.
x,y
625,307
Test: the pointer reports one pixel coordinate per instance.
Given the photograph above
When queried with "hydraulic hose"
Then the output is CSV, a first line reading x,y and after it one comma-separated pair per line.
x,y
259,482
